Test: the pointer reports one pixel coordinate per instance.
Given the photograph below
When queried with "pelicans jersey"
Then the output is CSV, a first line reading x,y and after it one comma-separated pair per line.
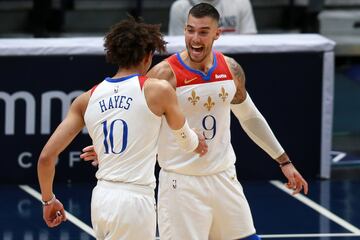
x,y
218,208
205,100
126,145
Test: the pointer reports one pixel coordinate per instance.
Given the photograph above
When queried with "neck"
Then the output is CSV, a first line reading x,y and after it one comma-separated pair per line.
x,y
203,66
123,72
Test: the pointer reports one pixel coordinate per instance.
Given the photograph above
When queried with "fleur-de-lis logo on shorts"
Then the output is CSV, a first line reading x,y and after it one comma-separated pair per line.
x,y
223,94
193,99
209,104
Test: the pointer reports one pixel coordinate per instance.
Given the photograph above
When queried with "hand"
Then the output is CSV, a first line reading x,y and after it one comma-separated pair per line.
x,y
90,155
295,181
54,214
202,147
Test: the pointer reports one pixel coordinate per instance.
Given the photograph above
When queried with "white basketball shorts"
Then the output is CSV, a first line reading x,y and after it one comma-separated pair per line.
x,y
203,207
123,211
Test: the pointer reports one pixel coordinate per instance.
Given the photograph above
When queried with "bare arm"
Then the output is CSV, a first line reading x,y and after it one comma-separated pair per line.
x,y
162,70
258,129
239,79
162,100
59,140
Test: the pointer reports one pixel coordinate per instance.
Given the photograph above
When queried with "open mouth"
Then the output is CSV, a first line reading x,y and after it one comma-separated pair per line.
x,y
197,49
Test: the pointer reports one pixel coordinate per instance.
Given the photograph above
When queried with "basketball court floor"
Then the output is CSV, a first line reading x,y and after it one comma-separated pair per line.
x,y
331,211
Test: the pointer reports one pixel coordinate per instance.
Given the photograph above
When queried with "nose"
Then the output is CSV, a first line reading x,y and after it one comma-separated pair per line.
x,y
196,38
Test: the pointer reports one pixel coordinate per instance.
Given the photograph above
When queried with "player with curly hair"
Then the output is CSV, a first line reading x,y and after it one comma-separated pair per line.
x,y
117,112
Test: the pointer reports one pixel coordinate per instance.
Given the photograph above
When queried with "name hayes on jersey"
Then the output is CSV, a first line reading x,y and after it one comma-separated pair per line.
x,y
115,102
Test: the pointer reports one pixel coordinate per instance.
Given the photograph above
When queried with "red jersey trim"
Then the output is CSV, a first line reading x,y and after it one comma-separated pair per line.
x,y
93,89
187,76
142,80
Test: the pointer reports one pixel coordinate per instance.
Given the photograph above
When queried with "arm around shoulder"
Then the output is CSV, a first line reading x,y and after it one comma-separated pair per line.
x,y
163,98
162,70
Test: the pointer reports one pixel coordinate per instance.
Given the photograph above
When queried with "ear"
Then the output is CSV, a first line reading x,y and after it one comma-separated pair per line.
x,y
218,33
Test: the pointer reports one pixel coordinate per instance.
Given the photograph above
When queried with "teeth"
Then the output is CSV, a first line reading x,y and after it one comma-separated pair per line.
x,y
196,46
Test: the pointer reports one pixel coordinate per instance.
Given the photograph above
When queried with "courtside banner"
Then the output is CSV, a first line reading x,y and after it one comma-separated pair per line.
x,y
35,95
292,88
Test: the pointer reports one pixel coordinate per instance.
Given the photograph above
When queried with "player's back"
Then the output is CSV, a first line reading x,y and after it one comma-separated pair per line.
x,y
124,131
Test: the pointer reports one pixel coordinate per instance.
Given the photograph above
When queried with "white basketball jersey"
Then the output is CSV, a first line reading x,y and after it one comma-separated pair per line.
x,y
124,131
205,101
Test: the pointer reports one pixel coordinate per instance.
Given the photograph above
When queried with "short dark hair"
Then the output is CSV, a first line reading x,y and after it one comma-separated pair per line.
x,y
204,10
130,40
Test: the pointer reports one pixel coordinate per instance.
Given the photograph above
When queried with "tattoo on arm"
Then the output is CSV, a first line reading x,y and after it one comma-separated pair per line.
x,y
239,78
237,70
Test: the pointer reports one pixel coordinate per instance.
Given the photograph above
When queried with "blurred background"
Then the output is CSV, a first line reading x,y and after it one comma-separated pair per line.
x,y
338,20
23,18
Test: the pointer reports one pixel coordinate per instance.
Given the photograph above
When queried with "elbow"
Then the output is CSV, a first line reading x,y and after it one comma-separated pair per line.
x,y
45,160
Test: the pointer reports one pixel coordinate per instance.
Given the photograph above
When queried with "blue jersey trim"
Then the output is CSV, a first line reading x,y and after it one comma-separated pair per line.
x,y
204,76
115,80
251,237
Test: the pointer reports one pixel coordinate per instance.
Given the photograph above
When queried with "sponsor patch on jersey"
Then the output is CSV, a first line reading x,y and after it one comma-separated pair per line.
x,y
220,76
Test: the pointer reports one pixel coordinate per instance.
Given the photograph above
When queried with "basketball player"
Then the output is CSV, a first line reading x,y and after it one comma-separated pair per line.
x,y
200,197
123,115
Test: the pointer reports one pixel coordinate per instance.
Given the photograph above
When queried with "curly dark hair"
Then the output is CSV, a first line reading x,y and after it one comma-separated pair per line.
x,y
130,40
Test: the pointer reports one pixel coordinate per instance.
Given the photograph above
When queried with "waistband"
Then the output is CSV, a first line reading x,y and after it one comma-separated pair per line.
x,y
139,189
228,168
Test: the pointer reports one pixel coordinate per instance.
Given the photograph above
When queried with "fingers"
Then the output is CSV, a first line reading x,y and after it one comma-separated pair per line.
x,y
88,153
88,149
88,156
62,213
54,214
297,183
55,220
301,181
204,150
202,147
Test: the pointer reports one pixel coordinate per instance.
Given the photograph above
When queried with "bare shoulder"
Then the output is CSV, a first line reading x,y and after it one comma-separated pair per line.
x,y
158,94
239,79
80,103
162,70
235,68
159,87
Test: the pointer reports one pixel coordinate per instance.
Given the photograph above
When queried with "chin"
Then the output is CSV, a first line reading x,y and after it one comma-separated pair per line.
x,y
196,59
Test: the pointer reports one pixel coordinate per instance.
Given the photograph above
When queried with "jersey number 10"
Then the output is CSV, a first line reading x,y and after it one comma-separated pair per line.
x,y
108,131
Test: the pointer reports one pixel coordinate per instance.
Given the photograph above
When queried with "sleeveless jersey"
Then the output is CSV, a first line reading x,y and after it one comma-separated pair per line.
x,y
205,100
124,131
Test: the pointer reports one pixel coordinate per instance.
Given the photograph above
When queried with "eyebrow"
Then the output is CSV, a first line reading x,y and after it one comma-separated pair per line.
x,y
202,28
